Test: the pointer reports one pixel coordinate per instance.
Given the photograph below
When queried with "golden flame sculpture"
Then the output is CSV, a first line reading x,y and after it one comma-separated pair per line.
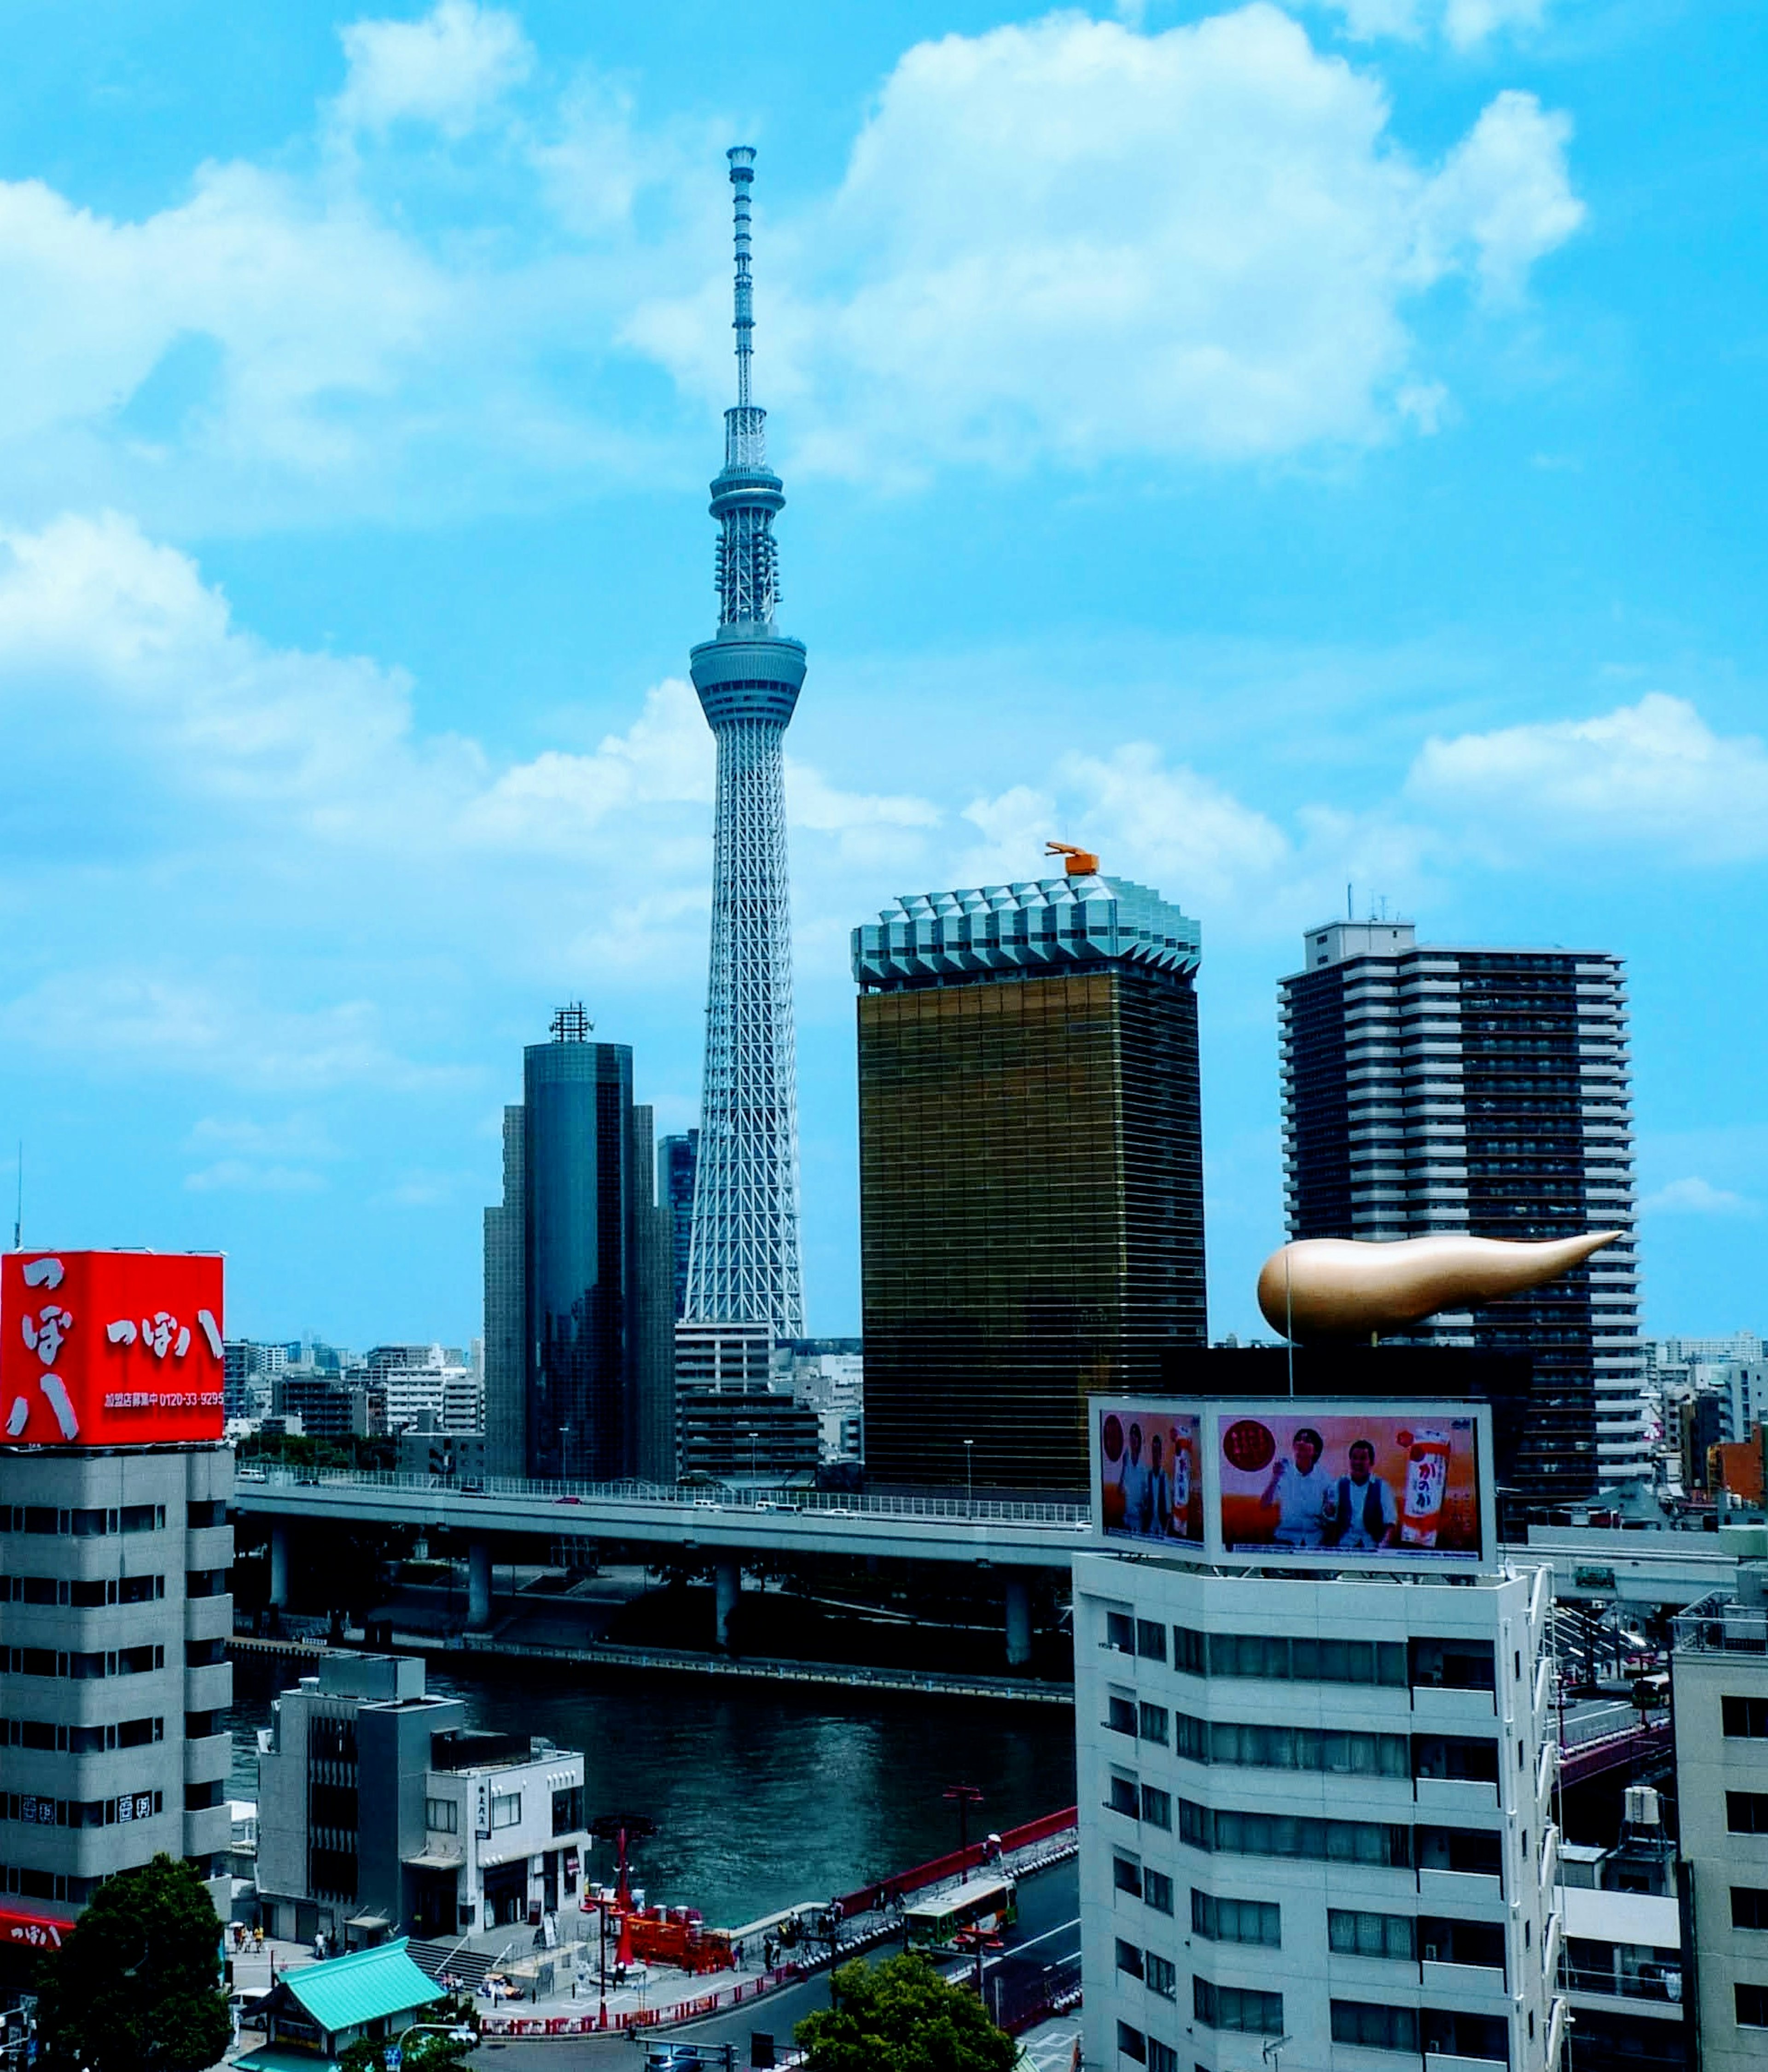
x,y
1334,1287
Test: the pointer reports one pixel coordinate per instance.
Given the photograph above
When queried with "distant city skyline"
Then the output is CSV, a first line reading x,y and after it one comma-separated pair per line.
x,y
361,381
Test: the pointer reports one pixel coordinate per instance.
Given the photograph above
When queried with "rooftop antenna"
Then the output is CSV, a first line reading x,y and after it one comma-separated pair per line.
x,y
1349,913
18,1216
743,175
571,1025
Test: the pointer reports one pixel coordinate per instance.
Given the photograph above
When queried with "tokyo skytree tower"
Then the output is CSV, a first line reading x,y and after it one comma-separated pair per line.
x,y
743,1256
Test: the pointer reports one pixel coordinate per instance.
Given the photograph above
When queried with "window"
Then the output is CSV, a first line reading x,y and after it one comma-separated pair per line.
x,y
1129,1959
442,1816
1122,1797
1333,1750
1372,2027
1219,1920
1752,2002
1121,1714
568,1810
1371,1934
1278,1659
1157,1890
1236,2007
1153,1724
1151,1639
1749,1906
505,1809
1127,1876
1745,1719
1746,1812
1190,1651
1131,2043
1287,1835
1161,2057
144,1589
1156,1807
1121,1632
1162,1976
1454,1665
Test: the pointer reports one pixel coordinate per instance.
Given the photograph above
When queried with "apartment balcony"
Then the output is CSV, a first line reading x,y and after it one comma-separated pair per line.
x,y
209,1688
208,1831
1446,1796
207,1758
1455,1891
1437,2061
208,1618
209,1547
1474,1987
1437,1705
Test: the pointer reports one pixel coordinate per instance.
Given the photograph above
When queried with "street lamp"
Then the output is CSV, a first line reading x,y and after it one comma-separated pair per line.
x,y
966,1795
969,1483
753,1437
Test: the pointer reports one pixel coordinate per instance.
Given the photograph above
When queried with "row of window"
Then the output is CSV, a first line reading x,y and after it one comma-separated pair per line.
x,y
81,1812
80,1666
1367,2025
64,1740
1333,1751
1456,1664
87,1524
83,1596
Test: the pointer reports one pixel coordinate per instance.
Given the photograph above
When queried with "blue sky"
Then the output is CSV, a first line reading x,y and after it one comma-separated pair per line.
x,y
1277,447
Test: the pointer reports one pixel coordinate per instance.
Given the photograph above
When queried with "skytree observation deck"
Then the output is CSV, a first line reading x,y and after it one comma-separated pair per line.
x,y
743,1262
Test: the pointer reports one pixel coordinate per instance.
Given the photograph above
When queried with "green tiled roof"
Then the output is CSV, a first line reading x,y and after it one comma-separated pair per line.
x,y
344,1993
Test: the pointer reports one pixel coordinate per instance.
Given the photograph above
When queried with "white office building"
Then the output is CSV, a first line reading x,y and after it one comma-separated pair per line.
x,y
1316,1819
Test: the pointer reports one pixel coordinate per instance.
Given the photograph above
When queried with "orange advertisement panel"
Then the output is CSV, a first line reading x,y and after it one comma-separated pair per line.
x,y
1149,1486
110,1348
1387,1483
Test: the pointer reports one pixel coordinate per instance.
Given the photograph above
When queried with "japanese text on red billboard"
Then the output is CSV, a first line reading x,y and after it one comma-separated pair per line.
x,y
1367,1485
1148,1485
110,1348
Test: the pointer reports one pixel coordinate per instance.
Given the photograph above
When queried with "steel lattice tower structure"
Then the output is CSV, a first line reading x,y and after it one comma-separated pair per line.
x,y
743,1258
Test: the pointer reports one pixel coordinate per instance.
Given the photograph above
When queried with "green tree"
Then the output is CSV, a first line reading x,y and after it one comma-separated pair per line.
x,y
136,1987
901,2016
426,2052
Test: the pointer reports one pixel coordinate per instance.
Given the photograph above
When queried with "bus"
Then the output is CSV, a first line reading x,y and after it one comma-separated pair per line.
x,y
987,1902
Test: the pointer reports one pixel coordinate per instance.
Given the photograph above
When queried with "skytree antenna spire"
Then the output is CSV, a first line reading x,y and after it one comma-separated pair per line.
x,y
743,1257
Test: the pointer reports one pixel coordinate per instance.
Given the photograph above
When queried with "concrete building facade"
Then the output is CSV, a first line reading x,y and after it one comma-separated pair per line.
x,y
1719,1679
1428,1090
378,1809
115,1614
1315,1815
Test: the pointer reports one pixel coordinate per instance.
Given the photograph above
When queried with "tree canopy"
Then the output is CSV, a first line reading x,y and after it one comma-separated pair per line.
x,y
901,2016
136,1985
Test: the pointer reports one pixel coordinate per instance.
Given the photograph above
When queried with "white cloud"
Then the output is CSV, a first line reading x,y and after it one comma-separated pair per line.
x,y
1464,24
1651,774
1066,239
1696,1196
240,1176
450,69
1505,192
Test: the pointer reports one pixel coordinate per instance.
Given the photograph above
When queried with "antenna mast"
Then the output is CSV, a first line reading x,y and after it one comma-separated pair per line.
x,y
18,1219
743,175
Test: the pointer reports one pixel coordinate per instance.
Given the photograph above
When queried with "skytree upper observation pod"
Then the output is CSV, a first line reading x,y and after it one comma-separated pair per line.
x,y
743,1260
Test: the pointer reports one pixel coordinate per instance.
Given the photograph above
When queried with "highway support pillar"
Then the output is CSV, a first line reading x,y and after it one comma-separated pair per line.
x,y
279,1567
478,1585
1018,1621
727,1580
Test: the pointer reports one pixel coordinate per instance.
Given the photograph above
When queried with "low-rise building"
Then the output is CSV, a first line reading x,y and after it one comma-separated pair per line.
x,y
379,1808
314,2014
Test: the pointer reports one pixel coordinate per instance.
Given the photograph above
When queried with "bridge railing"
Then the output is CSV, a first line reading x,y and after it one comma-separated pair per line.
x,y
833,1503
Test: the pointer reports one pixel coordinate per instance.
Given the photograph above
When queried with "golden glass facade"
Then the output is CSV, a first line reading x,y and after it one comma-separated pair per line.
x,y
1031,1212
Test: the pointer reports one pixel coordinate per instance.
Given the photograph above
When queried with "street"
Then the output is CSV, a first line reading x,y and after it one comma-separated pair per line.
x,y
1048,1929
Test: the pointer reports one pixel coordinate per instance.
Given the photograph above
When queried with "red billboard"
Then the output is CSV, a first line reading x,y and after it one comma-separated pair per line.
x,y
109,1348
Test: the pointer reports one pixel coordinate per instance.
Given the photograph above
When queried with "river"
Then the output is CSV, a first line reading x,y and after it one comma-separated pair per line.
x,y
763,1794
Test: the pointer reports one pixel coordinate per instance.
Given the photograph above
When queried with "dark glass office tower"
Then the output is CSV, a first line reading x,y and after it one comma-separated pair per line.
x,y
1030,1171
678,1160
579,1274
1429,1090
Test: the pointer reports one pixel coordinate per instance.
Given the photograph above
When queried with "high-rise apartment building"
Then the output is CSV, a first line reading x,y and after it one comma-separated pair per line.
x,y
1031,1198
678,1160
579,1274
1428,1090
1316,1817
744,1263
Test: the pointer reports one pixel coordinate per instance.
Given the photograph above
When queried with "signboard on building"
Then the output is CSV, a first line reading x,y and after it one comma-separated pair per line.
x,y
1146,1482
110,1348
1339,1483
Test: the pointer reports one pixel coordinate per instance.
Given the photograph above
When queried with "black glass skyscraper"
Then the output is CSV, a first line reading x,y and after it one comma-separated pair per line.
x,y
678,1160
579,1274
1030,1171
